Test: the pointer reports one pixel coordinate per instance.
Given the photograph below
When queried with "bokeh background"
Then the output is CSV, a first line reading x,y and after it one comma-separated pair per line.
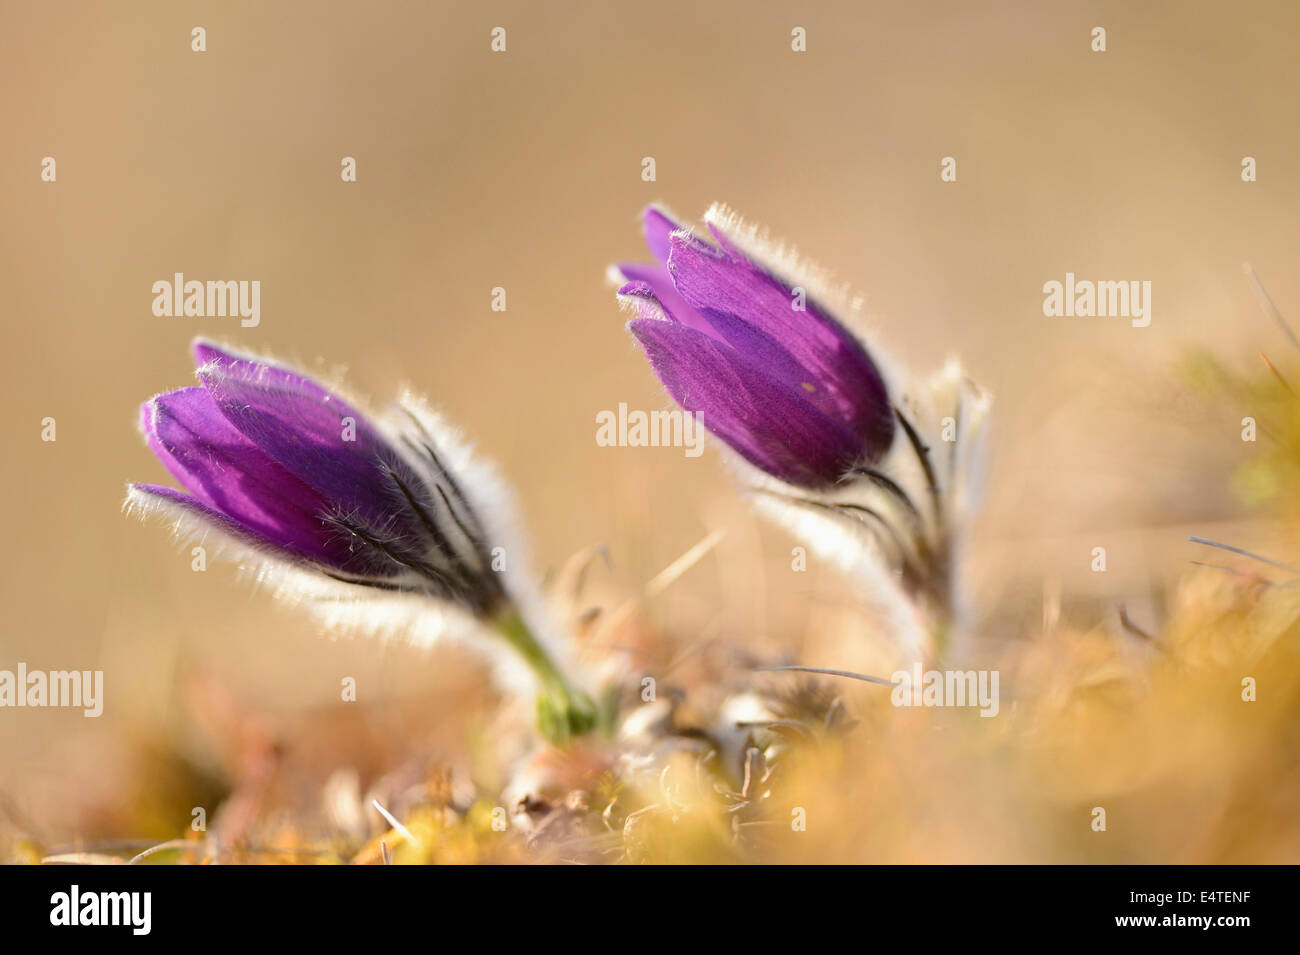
x,y
523,170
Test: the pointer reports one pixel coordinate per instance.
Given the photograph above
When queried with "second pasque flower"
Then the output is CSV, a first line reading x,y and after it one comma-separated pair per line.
x,y
767,369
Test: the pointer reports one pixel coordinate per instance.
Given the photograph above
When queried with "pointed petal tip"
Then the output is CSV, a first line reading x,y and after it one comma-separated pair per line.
x,y
153,409
650,330
173,402
208,350
142,495
634,327
636,287
641,297
216,363
136,489
687,243
657,225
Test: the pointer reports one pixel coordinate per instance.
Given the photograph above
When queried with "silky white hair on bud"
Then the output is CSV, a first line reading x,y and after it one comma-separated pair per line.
x,y
894,525
411,618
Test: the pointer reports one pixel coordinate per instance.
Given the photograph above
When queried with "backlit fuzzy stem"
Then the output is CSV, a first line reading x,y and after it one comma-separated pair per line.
x,y
563,711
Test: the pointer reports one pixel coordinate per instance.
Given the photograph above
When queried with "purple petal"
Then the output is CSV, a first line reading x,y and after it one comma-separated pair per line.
x,y
311,433
765,421
642,296
226,472
745,338
837,375
204,512
207,353
657,227
653,283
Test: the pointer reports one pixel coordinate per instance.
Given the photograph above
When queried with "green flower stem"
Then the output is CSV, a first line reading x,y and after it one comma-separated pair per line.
x,y
563,712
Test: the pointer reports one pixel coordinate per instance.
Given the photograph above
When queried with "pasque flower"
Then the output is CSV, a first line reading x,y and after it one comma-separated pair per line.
x,y
741,333
768,371
300,480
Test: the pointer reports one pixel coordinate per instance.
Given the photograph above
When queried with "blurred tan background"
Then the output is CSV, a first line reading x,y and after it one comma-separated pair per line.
x,y
522,170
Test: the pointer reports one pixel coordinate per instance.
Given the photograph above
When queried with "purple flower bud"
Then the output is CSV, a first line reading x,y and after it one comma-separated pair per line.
x,y
768,370
280,464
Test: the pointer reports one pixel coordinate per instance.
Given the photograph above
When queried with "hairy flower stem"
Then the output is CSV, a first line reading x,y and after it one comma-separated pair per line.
x,y
940,606
563,712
